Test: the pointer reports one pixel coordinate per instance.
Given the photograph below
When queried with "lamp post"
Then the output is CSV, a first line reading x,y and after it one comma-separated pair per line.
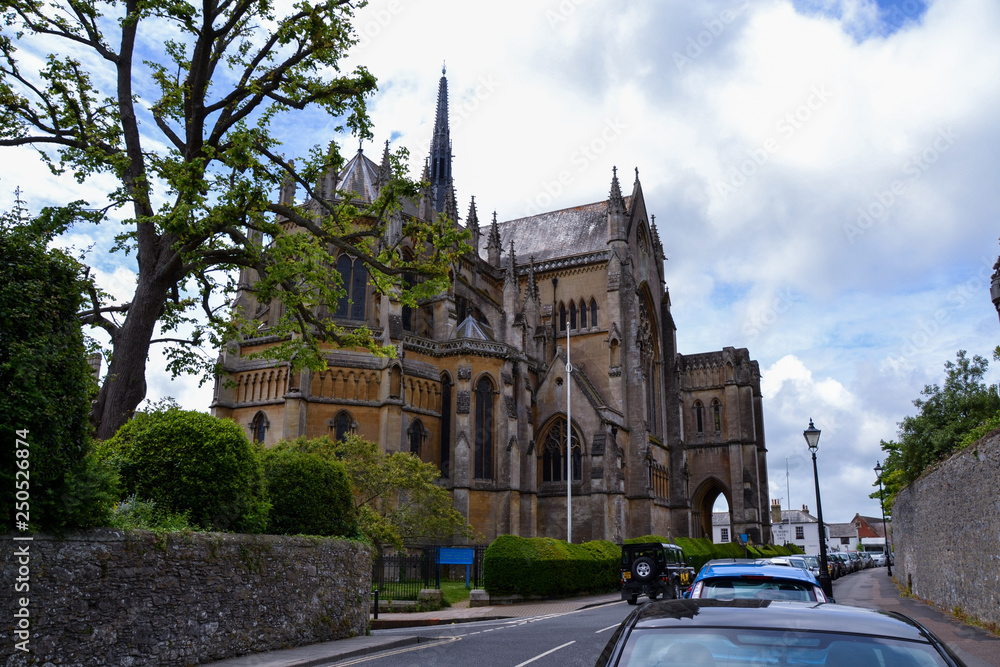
x,y
811,435
885,526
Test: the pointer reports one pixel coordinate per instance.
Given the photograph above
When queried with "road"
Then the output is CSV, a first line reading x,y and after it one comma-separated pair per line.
x,y
577,637
556,640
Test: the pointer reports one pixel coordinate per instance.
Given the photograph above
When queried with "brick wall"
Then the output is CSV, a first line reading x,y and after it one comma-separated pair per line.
x,y
946,532
105,598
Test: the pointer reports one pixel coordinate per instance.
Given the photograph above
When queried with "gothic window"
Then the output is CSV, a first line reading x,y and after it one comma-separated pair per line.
x,y
342,425
583,314
484,429
354,275
562,317
648,352
593,312
699,419
554,451
572,315
416,437
717,415
259,426
445,424
408,311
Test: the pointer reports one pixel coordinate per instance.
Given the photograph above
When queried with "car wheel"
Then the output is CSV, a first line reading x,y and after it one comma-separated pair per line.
x,y
643,568
633,600
675,590
653,596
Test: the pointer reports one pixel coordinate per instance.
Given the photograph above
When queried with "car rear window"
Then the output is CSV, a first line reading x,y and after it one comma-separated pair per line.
x,y
733,646
757,589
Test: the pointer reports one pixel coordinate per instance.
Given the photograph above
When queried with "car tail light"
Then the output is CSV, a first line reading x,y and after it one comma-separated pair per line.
x,y
820,595
696,590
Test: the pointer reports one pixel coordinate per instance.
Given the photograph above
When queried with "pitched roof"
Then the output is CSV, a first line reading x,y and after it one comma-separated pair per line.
x,y
578,230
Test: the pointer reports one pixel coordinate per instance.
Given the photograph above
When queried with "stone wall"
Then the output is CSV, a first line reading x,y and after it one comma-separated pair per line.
x,y
108,598
946,532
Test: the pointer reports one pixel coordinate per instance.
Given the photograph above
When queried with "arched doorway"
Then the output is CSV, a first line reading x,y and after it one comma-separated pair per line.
x,y
703,504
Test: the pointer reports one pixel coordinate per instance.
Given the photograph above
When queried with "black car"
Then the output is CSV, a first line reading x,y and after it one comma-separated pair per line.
x,y
727,633
654,570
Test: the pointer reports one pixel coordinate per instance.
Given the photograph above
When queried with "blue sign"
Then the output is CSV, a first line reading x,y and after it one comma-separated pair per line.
x,y
454,556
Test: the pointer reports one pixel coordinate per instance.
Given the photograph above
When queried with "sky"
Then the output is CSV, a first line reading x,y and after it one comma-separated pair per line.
x,y
823,175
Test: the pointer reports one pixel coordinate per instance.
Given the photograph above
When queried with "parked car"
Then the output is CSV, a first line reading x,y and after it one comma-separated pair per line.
x,y
731,633
654,570
878,560
761,581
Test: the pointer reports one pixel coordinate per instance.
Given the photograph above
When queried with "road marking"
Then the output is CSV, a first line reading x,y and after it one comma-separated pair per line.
x,y
383,654
607,628
539,657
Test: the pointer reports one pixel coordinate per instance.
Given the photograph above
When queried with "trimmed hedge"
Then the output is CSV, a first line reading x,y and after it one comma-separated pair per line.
x,y
547,567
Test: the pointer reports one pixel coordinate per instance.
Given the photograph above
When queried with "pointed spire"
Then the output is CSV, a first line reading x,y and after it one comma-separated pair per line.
x,y
472,220
385,169
493,240
451,205
511,277
616,203
440,157
287,195
531,289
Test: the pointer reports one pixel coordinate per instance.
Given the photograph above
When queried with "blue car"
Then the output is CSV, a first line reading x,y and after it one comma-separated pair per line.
x,y
744,580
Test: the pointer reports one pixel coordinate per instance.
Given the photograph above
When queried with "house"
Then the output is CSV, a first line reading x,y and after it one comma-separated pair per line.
x,y
482,385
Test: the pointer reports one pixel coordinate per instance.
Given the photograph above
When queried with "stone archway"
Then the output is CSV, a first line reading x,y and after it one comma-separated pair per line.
x,y
702,503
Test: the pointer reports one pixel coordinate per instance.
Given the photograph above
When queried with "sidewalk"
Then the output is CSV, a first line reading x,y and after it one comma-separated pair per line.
x,y
875,589
317,654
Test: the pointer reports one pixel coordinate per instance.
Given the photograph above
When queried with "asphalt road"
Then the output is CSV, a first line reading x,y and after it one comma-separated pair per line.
x,y
555,640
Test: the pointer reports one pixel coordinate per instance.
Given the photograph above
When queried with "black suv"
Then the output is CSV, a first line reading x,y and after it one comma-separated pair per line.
x,y
653,569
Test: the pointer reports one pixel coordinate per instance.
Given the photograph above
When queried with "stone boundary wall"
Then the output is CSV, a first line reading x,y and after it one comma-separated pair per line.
x,y
946,532
109,598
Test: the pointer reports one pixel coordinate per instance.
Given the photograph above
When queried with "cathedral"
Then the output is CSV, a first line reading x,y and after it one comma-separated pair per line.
x,y
550,362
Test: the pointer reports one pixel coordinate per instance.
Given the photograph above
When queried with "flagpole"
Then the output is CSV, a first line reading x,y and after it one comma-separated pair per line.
x,y
569,446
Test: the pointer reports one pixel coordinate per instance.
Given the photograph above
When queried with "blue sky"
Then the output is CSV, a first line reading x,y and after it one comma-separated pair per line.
x,y
823,177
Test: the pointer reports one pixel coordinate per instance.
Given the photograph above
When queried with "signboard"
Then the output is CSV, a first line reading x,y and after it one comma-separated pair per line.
x,y
454,556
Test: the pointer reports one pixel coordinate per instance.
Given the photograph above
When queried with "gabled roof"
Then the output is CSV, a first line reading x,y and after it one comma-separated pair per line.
x,y
842,530
570,231
470,328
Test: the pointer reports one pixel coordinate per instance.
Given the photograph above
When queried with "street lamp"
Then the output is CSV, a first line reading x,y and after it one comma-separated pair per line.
x,y
811,435
885,526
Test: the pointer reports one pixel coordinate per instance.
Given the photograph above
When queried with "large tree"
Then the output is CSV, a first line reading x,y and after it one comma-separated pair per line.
x,y
946,416
178,102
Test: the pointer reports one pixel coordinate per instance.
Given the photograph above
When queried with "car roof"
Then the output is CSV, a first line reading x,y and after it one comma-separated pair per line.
x,y
713,570
777,615
651,545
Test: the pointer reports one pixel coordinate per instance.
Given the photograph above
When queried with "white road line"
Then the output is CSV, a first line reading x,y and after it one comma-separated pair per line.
x,y
607,628
376,656
538,657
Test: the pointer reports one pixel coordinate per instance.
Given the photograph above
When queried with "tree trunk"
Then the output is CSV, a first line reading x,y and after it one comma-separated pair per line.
x,y
124,386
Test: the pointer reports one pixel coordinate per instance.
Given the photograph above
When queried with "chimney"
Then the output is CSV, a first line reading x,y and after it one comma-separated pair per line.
x,y
805,508
775,511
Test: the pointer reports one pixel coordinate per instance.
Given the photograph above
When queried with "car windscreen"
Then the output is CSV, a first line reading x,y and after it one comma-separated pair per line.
x,y
757,588
729,647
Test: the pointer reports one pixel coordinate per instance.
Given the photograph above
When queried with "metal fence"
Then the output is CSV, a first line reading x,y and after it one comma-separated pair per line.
x,y
401,576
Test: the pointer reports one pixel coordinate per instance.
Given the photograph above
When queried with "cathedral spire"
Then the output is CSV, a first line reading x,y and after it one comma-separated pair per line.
x,y
493,244
616,203
531,289
385,169
511,277
440,158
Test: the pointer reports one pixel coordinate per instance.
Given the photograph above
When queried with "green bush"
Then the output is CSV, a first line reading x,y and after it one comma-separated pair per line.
x,y
310,495
190,462
548,567
136,514
47,386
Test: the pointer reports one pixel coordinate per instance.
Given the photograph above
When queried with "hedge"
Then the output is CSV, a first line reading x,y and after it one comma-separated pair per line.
x,y
547,567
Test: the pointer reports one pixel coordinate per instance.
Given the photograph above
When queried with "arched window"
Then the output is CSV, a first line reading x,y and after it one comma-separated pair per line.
x,y
583,314
445,424
593,312
717,415
342,425
416,437
354,275
572,315
259,426
484,429
562,317
554,452
699,418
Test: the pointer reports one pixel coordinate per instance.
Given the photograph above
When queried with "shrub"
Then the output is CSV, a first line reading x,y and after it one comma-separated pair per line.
x,y
47,384
135,514
190,462
545,566
310,495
